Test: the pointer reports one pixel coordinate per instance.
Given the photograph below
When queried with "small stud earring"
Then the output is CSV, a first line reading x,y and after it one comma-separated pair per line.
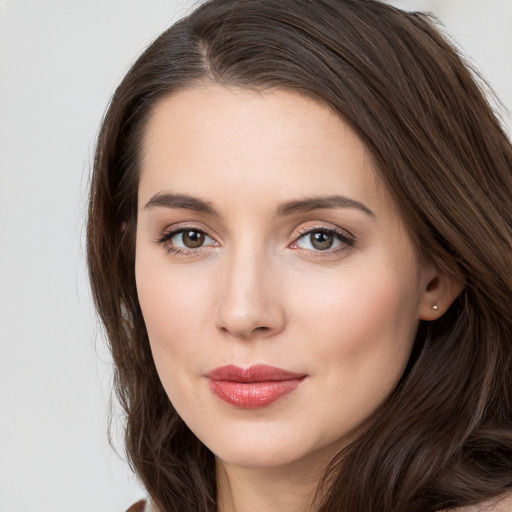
x,y
435,307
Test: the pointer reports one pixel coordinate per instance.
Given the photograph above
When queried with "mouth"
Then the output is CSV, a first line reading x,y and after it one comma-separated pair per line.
x,y
254,387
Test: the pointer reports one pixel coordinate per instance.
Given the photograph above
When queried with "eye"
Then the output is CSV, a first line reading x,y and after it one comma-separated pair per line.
x,y
183,240
322,240
190,239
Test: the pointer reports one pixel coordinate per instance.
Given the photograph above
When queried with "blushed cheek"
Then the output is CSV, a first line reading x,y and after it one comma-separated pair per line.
x,y
175,308
361,319
171,301
173,333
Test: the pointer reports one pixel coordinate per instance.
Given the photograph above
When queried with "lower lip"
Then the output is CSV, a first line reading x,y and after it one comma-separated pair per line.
x,y
253,395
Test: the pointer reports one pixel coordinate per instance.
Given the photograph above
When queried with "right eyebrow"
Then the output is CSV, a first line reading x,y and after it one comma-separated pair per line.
x,y
182,201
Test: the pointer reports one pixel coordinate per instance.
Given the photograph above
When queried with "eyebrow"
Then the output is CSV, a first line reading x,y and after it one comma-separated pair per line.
x,y
187,202
183,201
320,203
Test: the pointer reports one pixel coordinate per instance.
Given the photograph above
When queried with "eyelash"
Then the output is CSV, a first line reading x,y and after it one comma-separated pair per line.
x,y
346,240
170,233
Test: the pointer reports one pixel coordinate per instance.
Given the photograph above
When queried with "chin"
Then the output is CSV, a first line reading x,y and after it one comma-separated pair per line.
x,y
272,449
267,457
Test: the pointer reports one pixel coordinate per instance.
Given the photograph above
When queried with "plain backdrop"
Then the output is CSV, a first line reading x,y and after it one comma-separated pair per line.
x,y
59,63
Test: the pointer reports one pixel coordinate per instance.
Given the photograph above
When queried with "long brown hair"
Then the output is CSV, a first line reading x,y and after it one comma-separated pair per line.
x,y
444,437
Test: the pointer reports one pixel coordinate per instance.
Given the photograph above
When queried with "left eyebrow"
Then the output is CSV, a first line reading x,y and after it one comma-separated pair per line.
x,y
320,203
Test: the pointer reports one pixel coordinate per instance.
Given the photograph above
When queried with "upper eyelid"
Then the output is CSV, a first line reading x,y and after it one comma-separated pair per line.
x,y
174,229
349,240
333,229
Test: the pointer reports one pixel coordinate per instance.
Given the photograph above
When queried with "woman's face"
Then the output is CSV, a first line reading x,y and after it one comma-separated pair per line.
x,y
279,287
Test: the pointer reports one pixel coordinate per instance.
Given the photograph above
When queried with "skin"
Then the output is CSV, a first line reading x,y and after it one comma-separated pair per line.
x,y
258,292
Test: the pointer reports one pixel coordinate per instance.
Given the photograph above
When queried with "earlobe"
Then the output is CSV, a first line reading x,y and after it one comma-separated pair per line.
x,y
439,292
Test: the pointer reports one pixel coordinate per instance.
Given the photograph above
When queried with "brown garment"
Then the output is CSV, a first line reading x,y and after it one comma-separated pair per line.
x,y
140,506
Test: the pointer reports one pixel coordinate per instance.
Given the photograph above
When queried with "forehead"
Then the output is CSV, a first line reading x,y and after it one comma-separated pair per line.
x,y
273,141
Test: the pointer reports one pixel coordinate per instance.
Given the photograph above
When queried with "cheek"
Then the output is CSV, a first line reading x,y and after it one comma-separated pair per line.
x,y
172,298
173,311
175,303
363,332
363,319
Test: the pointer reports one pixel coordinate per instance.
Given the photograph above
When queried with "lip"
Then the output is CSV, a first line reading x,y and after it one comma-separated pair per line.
x,y
254,387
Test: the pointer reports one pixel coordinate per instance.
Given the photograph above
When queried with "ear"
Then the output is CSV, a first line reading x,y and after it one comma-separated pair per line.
x,y
438,293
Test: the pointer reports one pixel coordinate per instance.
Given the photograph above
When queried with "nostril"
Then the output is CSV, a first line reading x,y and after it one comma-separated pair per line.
x,y
262,330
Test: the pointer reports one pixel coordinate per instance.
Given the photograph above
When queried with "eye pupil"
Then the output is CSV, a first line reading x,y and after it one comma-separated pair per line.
x,y
321,240
193,239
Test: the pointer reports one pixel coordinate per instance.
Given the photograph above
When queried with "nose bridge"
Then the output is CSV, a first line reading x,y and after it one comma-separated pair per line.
x,y
249,302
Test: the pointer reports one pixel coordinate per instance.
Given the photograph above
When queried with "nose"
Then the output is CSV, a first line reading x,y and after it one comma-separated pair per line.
x,y
250,299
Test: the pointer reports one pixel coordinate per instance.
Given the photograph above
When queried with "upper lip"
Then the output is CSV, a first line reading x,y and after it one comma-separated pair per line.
x,y
256,373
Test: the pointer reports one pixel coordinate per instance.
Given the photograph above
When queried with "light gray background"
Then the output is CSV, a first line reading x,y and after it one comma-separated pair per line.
x,y
59,64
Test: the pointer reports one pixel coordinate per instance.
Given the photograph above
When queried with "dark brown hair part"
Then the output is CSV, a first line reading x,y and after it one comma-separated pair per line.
x,y
444,437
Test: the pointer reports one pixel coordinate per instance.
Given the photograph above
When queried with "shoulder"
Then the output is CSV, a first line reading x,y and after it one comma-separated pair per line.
x,y
142,506
500,504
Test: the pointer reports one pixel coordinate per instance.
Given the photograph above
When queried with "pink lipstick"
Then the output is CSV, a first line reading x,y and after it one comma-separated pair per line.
x,y
254,387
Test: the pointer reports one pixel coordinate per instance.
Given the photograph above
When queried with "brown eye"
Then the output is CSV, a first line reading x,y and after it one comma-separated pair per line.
x,y
325,240
321,240
193,239
186,241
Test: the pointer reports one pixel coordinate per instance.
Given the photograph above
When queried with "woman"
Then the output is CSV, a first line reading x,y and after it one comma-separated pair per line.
x,y
299,243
